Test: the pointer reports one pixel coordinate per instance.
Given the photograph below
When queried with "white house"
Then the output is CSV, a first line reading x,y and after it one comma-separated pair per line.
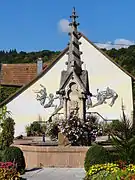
x,y
103,72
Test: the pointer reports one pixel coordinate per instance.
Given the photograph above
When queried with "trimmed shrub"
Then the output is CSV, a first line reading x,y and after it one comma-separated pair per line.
x,y
15,154
96,154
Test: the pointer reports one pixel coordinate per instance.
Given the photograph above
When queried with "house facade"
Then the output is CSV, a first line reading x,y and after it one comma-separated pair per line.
x,y
109,85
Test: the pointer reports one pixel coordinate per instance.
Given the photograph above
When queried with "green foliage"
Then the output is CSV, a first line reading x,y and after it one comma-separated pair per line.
x,y
7,134
123,140
13,57
15,154
53,130
115,125
108,127
28,130
7,91
4,113
96,154
35,129
1,155
124,57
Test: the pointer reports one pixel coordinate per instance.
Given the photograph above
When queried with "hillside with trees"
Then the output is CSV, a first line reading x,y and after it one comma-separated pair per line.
x,y
125,57
14,57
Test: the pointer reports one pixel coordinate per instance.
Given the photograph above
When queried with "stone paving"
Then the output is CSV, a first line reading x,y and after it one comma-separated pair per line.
x,y
55,174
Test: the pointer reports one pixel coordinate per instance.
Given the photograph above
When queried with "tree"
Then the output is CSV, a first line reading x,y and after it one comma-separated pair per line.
x,y
35,128
12,56
6,91
7,134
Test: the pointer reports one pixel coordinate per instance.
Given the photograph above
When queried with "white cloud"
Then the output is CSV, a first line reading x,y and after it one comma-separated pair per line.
x,y
117,44
63,26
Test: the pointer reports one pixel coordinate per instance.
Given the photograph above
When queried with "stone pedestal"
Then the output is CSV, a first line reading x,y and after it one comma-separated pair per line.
x,y
62,140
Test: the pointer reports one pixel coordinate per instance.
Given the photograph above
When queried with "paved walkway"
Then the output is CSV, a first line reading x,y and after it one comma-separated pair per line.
x,y
55,174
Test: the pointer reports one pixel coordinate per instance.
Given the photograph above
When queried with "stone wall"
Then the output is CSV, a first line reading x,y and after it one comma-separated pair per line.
x,y
38,156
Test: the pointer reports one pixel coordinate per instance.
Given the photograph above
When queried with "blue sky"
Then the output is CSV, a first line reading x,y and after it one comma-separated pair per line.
x,y
33,25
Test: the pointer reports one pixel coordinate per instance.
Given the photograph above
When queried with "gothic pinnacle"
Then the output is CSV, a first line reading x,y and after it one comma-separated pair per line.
x,y
73,17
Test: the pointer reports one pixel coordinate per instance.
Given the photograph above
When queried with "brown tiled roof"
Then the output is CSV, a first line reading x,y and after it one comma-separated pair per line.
x,y
18,74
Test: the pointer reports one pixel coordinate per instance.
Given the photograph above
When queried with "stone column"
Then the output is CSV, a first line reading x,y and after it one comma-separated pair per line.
x,y
82,109
65,107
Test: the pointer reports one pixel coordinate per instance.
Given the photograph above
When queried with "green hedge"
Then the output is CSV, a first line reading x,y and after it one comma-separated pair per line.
x,y
96,154
14,154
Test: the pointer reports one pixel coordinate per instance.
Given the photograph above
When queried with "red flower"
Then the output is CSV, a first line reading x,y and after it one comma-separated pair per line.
x,y
9,163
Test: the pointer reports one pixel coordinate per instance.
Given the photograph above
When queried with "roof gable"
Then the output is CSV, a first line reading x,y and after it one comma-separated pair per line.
x,y
109,58
52,64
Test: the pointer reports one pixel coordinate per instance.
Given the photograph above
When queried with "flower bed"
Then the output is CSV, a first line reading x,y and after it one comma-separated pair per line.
x,y
111,171
8,171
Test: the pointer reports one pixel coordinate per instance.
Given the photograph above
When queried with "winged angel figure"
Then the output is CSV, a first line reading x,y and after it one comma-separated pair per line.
x,y
43,97
102,96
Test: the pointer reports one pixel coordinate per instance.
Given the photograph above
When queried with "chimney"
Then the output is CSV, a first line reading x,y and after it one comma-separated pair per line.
x,y
39,65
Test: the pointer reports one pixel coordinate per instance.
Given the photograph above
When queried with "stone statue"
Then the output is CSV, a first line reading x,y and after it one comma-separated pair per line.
x,y
50,103
60,104
57,108
41,95
103,95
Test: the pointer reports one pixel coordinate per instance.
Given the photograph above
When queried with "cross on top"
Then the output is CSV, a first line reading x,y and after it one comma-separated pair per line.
x,y
73,17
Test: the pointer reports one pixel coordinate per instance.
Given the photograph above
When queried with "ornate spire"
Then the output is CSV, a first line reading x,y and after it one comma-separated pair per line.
x,y
73,17
74,61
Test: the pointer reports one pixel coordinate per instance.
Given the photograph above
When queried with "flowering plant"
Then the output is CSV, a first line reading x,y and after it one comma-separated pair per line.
x,y
8,171
111,171
77,130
